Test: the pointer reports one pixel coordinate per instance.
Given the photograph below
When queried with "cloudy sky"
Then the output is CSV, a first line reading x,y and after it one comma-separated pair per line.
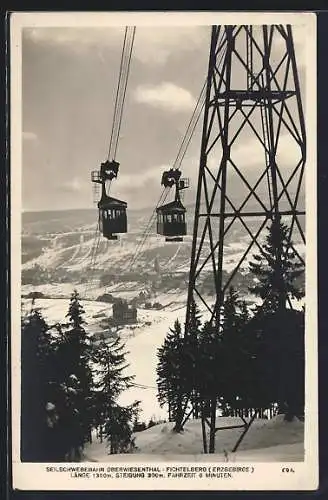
x,y
69,79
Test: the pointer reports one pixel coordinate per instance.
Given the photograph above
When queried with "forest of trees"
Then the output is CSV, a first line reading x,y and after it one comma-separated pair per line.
x,y
253,360
69,387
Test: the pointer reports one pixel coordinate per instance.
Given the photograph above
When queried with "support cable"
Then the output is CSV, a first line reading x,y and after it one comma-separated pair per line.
x,y
93,257
117,93
126,76
148,228
124,71
176,165
121,90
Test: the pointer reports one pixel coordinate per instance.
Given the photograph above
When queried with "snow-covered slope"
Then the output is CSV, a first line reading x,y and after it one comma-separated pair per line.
x,y
273,440
67,243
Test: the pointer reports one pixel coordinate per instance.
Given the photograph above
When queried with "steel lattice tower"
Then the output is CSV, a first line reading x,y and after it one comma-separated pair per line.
x,y
252,160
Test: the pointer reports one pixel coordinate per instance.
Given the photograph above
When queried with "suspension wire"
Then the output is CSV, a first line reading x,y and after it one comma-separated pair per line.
x,y
121,90
143,386
121,97
94,249
194,118
117,92
147,230
125,87
90,268
177,163
92,281
191,127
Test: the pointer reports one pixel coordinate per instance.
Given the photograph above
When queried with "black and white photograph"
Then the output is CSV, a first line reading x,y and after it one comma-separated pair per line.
x,y
163,249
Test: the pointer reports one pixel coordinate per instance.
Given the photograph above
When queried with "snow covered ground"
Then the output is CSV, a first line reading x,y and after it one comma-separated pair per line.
x,y
143,360
266,441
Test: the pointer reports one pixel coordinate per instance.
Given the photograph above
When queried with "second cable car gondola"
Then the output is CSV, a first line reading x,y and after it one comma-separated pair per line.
x,y
171,217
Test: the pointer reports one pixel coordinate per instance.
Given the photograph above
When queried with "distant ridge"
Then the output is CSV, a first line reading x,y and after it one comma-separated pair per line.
x,y
74,210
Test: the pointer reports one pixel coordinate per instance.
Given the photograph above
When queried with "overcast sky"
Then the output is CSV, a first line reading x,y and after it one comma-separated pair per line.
x,y
69,83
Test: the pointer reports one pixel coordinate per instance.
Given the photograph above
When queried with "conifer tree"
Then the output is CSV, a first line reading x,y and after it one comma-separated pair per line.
x,y
276,367
35,376
276,269
191,354
171,374
74,381
276,329
231,348
210,362
110,382
119,429
178,370
235,352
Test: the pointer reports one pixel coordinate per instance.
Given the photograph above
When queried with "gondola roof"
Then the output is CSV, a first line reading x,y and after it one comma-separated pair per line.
x,y
109,202
173,205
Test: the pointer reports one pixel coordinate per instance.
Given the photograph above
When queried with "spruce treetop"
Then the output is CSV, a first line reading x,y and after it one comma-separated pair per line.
x,y
277,268
75,311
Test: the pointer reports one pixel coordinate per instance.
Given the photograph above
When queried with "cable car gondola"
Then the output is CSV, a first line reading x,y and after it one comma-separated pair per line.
x,y
112,212
112,217
171,217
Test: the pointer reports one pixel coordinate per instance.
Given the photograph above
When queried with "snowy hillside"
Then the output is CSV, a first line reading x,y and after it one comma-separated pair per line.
x,y
274,440
64,243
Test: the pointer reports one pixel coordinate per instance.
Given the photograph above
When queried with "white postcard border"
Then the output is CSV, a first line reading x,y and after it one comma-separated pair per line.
x,y
265,476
